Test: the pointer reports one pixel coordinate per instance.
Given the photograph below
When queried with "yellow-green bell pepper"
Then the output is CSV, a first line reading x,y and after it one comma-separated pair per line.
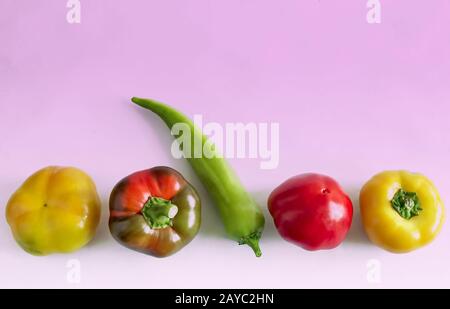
x,y
56,209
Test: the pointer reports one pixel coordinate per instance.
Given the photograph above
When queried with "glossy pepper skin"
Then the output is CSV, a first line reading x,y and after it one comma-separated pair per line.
x,y
311,211
401,211
57,209
155,211
241,215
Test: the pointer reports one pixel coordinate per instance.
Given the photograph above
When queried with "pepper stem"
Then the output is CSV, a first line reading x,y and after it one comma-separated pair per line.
x,y
158,212
253,241
406,204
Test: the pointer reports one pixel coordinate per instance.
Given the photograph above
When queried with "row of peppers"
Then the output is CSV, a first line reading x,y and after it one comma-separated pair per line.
x,y
157,211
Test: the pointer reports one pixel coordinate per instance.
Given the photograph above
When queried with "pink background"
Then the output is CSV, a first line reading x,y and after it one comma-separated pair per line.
x,y
351,98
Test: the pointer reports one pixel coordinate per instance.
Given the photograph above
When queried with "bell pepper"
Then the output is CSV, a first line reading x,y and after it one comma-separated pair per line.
x,y
311,211
155,211
57,209
401,211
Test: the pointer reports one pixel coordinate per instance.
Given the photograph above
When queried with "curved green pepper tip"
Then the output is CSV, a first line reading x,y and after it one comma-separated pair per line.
x,y
137,101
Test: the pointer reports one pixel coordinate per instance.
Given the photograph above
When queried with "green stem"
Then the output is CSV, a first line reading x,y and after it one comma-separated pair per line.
x,y
253,242
158,212
406,204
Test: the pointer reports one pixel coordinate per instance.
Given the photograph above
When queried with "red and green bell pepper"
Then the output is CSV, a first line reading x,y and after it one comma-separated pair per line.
x,y
154,211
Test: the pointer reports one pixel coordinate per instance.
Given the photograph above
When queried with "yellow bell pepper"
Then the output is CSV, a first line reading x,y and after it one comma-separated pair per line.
x,y
401,211
56,209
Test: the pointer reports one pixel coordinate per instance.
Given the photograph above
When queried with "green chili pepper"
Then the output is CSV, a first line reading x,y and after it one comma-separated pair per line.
x,y
241,215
